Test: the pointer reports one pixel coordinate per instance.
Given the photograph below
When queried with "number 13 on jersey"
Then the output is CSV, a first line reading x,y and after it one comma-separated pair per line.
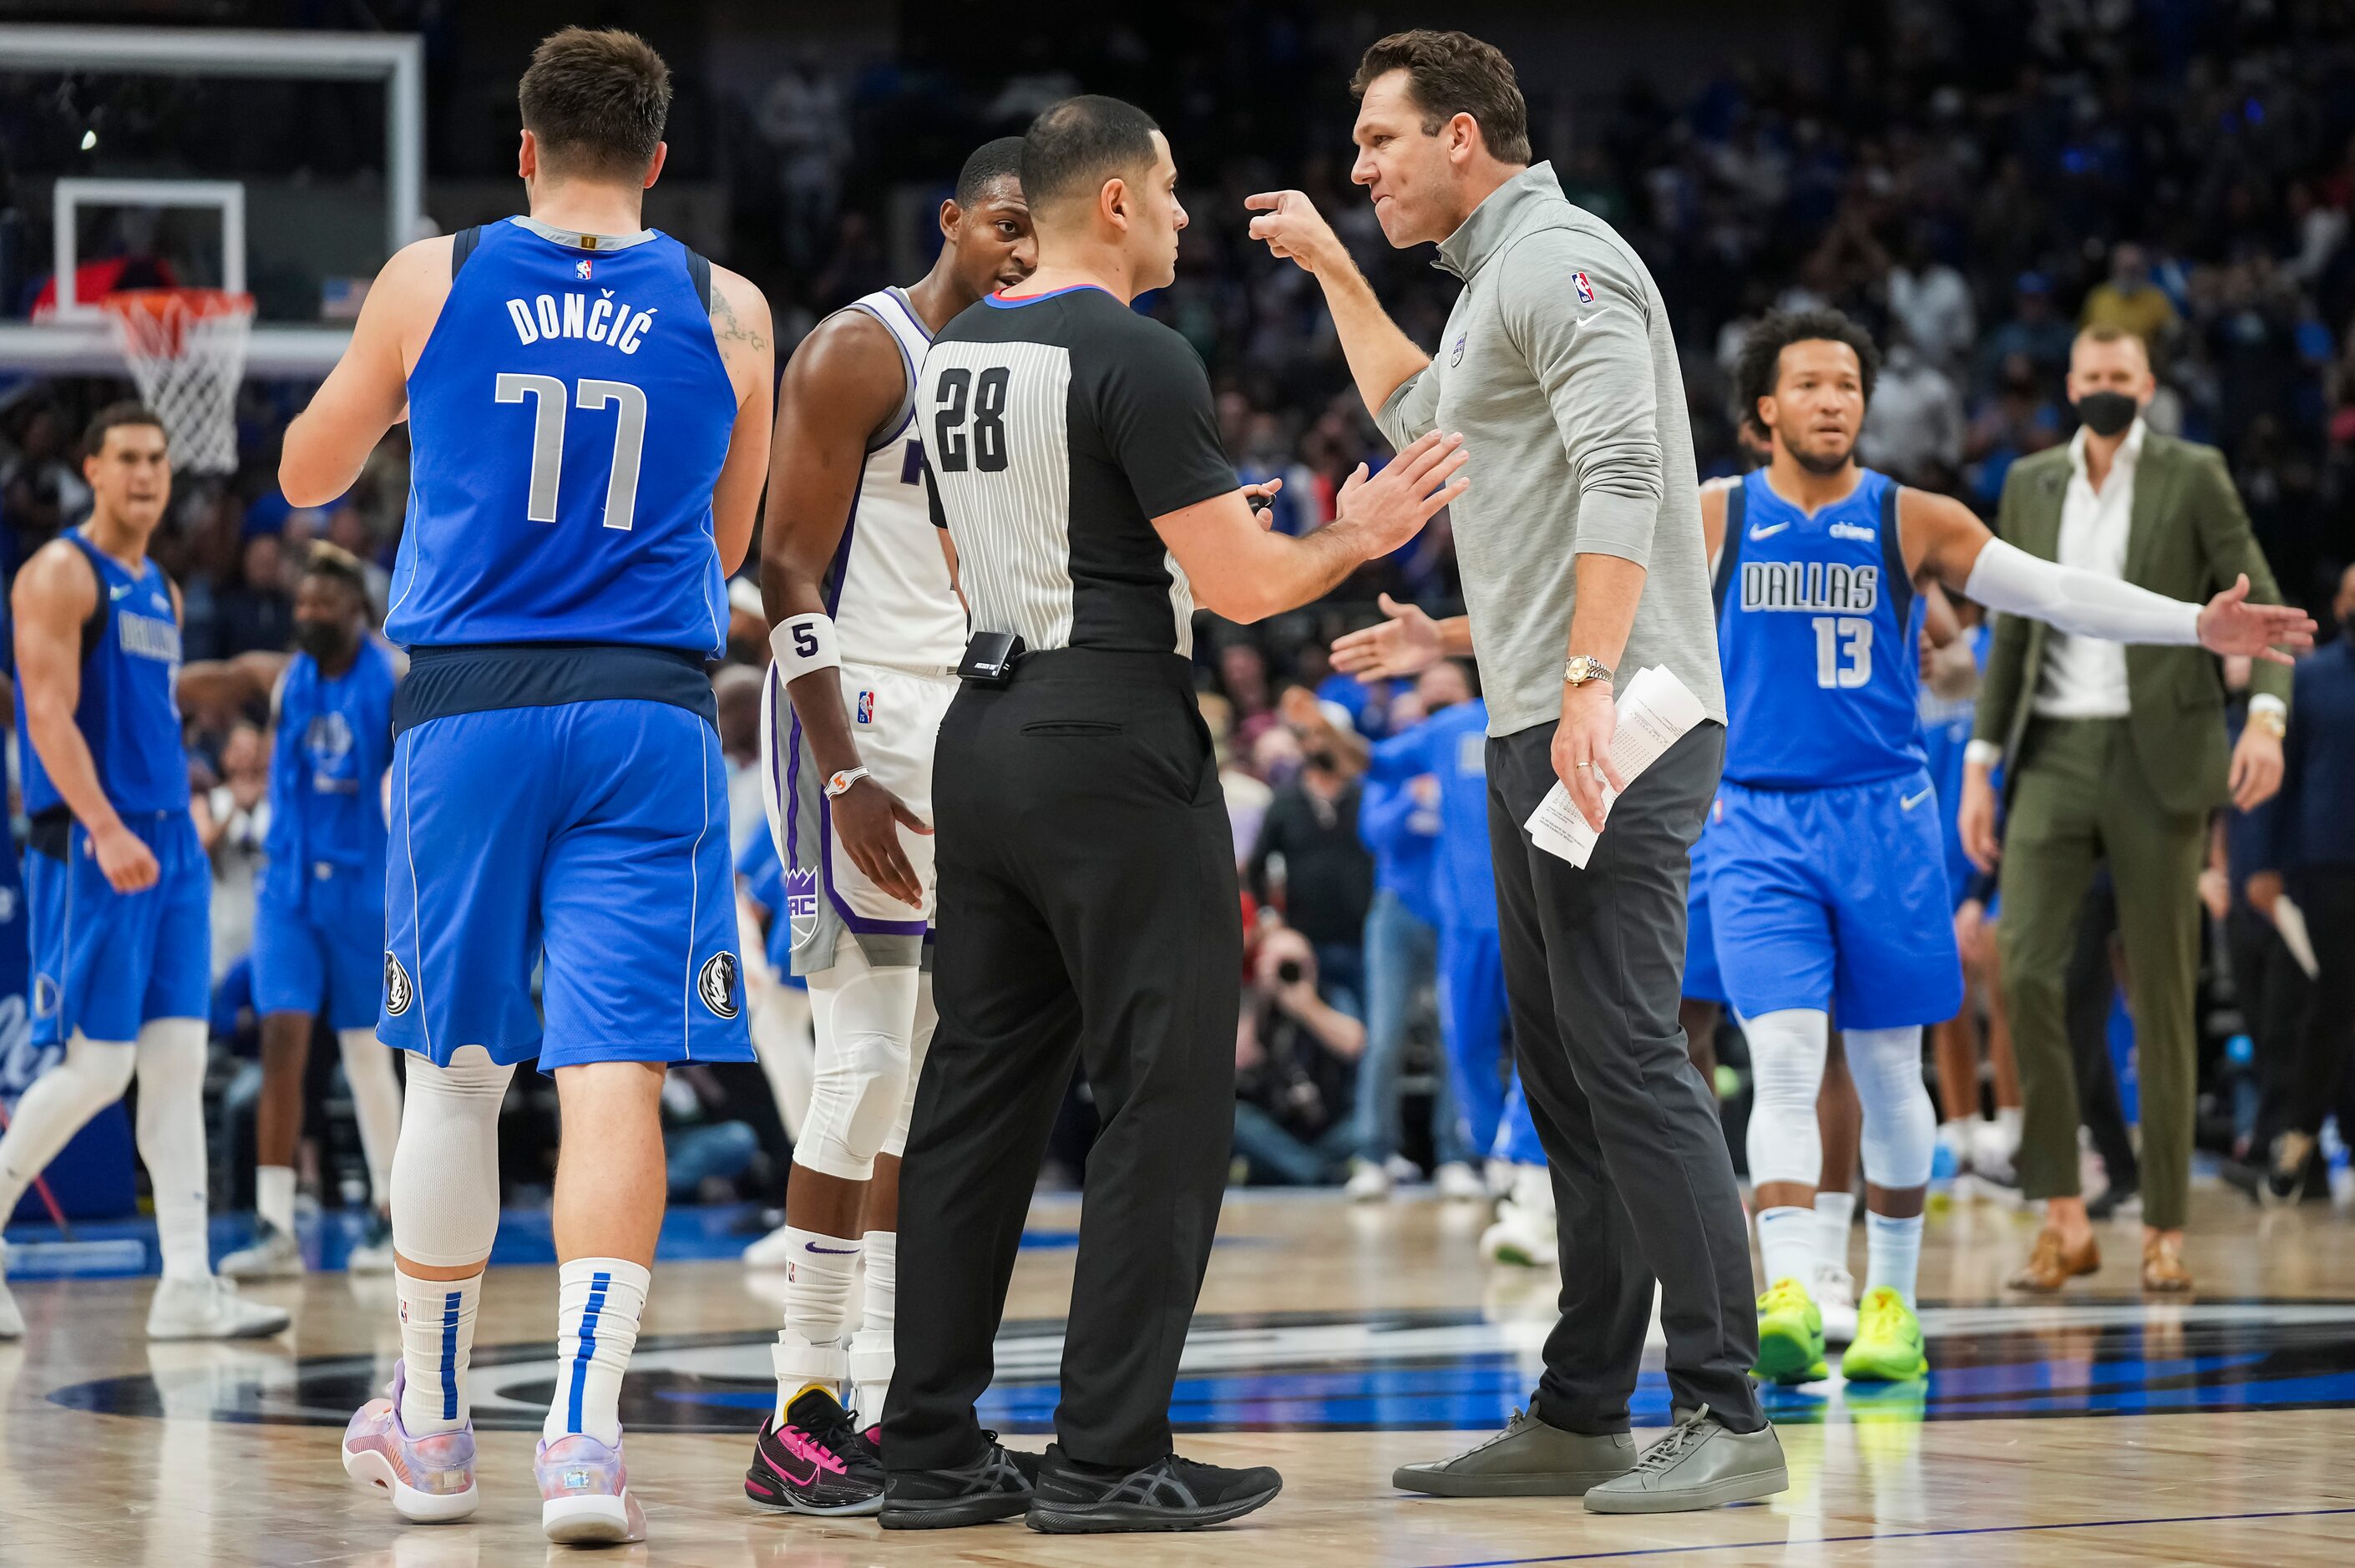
x,y
1843,651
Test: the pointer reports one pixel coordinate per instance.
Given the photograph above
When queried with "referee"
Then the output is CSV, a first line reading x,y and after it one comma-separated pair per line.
x,y
1581,558
1088,909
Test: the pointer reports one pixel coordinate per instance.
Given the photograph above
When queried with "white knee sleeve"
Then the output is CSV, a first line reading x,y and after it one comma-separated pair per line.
x,y
1900,1125
781,1039
928,1018
376,1105
91,1077
865,1017
1787,1068
445,1170
171,1131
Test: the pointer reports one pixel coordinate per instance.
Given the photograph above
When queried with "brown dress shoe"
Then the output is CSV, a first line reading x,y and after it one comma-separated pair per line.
x,y
2054,1262
2162,1266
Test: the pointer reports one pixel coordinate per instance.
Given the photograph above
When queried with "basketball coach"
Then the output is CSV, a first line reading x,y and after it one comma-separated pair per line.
x,y
1582,560
1087,908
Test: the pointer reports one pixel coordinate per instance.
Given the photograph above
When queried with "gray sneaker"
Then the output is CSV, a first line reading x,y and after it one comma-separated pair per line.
x,y
1527,1460
1697,1465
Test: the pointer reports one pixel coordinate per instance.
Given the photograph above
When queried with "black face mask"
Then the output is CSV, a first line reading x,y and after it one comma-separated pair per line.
x,y
2106,413
324,640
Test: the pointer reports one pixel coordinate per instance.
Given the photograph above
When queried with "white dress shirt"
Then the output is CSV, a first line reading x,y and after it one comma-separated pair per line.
x,y
2084,677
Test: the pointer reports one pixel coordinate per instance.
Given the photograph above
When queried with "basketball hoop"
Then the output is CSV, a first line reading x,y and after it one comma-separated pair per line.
x,y
186,353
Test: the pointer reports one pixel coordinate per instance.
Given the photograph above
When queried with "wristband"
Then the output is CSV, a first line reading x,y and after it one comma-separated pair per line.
x,y
803,643
839,784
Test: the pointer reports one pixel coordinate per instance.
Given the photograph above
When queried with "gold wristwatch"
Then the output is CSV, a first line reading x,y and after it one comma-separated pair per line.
x,y
1581,668
2269,721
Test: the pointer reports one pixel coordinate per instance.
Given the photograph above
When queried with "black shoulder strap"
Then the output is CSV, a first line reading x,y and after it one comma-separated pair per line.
x,y
93,625
462,245
1729,548
1893,575
698,272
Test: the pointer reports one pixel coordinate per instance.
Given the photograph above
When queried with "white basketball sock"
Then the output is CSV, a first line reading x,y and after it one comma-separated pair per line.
x,y
599,1300
376,1106
819,1272
437,1342
90,1076
273,1195
171,1133
882,1254
1834,1211
872,1358
1786,1243
1892,1254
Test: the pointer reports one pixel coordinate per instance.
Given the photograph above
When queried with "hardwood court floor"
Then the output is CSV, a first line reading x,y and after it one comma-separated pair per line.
x,y
1335,1342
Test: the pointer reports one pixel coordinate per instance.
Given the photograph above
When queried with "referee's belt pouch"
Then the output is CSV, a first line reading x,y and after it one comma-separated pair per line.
x,y
52,832
990,658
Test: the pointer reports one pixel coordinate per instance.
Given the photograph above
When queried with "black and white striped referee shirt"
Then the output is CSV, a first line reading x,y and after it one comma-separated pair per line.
x,y
1055,428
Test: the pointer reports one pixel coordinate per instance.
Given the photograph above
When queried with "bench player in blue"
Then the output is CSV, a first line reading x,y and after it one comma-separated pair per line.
x,y
1826,874
318,929
119,892
589,411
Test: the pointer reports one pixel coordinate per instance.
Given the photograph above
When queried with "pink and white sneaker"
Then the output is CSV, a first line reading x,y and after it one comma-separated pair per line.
x,y
584,1493
430,1480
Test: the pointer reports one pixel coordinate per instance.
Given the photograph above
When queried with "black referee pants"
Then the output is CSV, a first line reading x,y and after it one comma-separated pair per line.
x,y
1088,910
1643,1187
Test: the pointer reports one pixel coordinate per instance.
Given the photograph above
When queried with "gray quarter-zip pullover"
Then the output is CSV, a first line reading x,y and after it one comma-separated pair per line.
x,y
1559,368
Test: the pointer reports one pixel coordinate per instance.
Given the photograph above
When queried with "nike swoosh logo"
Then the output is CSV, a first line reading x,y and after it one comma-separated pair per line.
x,y
1910,803
1768,532
832,1251
118,590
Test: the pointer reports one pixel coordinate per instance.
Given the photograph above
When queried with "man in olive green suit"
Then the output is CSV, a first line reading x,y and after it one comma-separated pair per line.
x,y
2114,754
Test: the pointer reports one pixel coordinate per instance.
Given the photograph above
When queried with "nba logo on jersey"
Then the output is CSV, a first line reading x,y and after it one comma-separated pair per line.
x,y
580,268
866,707
1585,288
800,902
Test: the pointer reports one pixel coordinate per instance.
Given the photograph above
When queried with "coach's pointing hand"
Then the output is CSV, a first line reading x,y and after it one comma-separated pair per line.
x,y
1293,229
867,818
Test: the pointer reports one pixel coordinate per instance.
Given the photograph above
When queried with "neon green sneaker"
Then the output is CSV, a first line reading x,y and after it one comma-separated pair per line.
x,y
1888,1343
1790,1335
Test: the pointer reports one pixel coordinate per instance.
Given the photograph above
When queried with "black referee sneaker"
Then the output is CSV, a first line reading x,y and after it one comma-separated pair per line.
x,y
1087,900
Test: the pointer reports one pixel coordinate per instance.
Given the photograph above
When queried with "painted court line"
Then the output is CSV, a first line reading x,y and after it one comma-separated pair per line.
x,y
1897,1535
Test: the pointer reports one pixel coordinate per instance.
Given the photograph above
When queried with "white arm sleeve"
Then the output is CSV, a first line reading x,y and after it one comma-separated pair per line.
x,y
2082,603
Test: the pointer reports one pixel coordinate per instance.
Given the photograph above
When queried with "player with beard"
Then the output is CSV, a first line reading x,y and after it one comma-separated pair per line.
x,y
1827,875
861,589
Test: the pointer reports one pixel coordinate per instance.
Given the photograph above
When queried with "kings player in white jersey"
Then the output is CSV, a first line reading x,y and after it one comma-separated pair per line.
x,y
861,589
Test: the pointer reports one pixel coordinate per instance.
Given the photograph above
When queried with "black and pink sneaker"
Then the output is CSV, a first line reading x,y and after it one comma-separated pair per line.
x,y
816,1462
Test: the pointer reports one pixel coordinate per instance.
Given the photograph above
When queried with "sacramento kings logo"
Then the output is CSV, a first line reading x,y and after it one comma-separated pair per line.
x,y
716,984
397,992
801,903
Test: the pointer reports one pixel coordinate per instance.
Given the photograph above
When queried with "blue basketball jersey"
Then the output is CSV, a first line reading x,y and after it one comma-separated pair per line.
x,y
567,419
129,710
326,781
1819,628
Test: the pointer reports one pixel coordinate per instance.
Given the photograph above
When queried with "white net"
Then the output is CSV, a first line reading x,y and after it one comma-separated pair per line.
x,y
186,353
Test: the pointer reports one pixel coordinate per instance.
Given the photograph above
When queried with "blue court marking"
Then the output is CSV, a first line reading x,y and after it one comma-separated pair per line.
x,y
690,1233
1898,1535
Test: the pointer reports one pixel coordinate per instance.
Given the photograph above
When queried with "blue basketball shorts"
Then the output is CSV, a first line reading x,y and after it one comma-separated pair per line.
x,y
593,834
305,961
1702,982
106,962
1836,899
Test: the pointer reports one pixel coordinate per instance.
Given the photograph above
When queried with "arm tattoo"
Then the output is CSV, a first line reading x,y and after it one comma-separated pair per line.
x,y
727,326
